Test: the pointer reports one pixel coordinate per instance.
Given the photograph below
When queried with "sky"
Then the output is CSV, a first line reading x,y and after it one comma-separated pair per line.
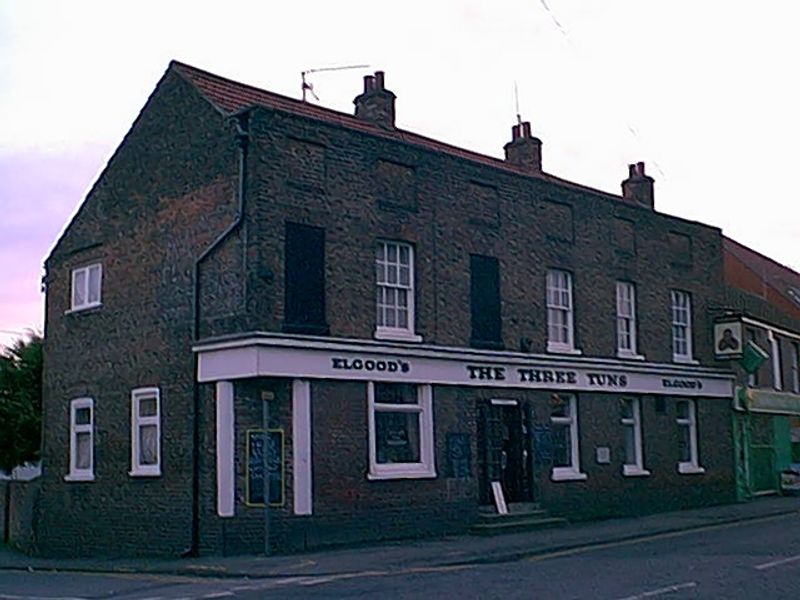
x,y
705,93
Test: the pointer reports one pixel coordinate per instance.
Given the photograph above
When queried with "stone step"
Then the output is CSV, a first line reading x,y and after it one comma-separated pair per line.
x,y
505,526
512,517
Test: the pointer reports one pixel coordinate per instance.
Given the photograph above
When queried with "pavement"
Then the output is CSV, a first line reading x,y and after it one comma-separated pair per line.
x,y
422,555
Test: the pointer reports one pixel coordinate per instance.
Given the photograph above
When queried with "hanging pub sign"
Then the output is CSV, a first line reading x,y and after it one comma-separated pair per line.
x,y
728,340
255,467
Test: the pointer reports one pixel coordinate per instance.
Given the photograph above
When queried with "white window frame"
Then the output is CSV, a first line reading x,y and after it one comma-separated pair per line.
x,y
406,334
635,469
626,313
75,473
86,271
692,466
573,471
423,469
794,362
559,299
681,305
775,360
137,422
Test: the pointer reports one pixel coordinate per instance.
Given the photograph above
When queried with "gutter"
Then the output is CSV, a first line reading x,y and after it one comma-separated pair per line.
x,y
240,121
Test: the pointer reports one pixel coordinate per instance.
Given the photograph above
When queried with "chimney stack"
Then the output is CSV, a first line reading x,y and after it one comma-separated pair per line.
x,y
524,150
376,103
638,187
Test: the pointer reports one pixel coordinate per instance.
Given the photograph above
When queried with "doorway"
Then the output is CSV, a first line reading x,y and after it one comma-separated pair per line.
x,y
504,450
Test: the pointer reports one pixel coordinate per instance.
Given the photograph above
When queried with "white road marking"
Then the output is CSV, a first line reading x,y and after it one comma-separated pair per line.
x,y
218,595
776,563
12,597
665,590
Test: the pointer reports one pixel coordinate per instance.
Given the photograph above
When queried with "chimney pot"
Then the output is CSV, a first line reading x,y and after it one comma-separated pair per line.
x,y
631,171
376,104
526,129
369,83
524,150
515,132
379,80
640,168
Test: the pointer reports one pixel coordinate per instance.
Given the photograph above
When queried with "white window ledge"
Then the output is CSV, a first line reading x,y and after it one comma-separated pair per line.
x,y
559,348
83,307
397,335
567,474
79,477
634,471
686,360
690,469
630,355
407,472
145,473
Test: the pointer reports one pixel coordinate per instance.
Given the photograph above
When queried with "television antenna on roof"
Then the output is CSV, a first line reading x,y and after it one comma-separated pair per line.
x,y
307,86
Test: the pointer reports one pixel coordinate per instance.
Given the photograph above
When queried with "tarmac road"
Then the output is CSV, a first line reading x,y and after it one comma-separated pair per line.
x,y
747,560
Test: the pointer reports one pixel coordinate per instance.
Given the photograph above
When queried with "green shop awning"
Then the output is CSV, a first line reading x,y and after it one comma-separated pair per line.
x,y
767,401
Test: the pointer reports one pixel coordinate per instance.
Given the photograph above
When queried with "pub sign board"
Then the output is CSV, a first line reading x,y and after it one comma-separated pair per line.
x,y
728,339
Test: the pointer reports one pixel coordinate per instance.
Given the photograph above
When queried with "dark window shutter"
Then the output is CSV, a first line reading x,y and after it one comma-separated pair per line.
x,y
485,302
304,260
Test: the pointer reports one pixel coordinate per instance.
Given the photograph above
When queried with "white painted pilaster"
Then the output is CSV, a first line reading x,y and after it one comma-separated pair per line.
x,y
226,482
301,444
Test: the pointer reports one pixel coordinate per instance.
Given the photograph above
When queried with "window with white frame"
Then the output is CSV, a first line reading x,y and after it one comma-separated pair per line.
x,y
626,319
775,360
689,460
564,430
681,326
794,365
81,440
86,286
560,332
631,420
394,266
400,431
145,432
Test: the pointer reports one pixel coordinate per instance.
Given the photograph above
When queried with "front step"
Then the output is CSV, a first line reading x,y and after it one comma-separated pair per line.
x,y
522,516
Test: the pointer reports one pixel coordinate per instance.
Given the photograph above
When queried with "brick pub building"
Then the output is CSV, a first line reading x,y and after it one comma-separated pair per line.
x,y
421,329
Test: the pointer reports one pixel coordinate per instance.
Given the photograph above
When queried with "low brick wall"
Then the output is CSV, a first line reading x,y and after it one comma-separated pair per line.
x,y
18,503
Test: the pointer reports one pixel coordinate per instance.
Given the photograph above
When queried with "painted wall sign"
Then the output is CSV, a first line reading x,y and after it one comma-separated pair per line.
x,y
452,367
255,468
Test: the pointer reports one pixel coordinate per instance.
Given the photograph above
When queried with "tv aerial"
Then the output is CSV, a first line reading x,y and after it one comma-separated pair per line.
x,y
308,87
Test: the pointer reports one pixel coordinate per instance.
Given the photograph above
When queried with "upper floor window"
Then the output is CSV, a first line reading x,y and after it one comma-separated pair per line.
x,y
626,319
394,266
794,365
81,440
145,432
631,420
564,427
752,378
775,358
400,431
560,334
86,286
687,423
681,326
304,280
485,305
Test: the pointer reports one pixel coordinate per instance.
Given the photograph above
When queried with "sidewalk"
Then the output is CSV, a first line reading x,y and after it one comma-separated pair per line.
x,y
422,554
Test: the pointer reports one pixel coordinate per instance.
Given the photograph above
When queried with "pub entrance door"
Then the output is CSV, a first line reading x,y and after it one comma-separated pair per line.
x,y
505,450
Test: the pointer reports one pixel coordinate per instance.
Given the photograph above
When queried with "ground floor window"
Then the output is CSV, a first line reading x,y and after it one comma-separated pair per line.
x,y
689,460
631,420
145,432
400,431
564,427
81,440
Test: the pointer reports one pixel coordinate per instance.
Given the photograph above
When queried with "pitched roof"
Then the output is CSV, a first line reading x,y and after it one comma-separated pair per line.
x,y
231,96
753,272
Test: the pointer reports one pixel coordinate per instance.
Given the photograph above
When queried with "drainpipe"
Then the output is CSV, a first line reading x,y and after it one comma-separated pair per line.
x,y
240,122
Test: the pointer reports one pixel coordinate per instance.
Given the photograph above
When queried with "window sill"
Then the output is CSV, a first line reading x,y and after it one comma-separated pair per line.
x,y
690,469
557,348
559,474
634,471
79,477
630,355
396,335
410,471
84,308
685,360
143,473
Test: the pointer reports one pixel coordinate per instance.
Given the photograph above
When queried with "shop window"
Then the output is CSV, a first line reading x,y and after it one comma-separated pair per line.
x,y
485,302
560,331
564,429
304,281
752,378
775,360
631,421
87,287
626,320
400,431
681,326
689,460
394,266
81,440
145,432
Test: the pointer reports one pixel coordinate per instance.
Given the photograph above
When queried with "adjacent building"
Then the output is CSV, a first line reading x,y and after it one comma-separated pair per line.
x,y
271,323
